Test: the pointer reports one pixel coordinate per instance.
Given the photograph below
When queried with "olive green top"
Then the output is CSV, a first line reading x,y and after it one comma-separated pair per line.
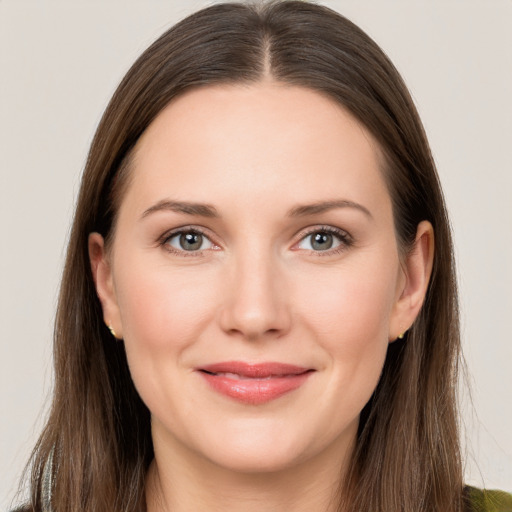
x,y
489,501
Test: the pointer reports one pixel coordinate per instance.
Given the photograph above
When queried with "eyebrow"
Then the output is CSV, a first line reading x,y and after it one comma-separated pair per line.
x,y
324,206
203,210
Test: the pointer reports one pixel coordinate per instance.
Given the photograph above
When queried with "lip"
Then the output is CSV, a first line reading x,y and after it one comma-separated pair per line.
x,y
254,383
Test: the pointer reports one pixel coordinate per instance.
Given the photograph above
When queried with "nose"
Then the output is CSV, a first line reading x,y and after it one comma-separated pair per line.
x,y
256,304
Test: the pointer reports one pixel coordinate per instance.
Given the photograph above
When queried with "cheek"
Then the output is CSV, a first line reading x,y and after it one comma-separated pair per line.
x,y
350,321
350,308
163,309
349,315
163,313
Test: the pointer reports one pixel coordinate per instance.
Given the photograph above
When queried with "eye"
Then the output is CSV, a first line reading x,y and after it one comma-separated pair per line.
x,y
324,239
189,241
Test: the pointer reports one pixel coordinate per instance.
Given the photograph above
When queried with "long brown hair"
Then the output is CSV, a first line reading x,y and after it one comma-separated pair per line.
x,y
97,446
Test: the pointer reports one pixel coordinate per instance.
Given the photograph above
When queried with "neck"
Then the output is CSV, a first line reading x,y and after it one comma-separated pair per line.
x,y
178,481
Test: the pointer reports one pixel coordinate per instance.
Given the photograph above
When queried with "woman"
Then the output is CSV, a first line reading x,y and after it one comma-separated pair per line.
x,y
258,308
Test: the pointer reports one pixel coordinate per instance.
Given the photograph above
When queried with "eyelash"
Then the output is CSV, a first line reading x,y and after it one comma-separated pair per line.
x,y
346,240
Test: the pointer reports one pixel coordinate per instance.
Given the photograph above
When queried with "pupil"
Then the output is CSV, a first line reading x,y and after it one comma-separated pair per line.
x,y
191,241
322,241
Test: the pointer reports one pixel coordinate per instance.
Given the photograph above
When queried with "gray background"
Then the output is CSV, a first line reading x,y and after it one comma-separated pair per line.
x,y
61,60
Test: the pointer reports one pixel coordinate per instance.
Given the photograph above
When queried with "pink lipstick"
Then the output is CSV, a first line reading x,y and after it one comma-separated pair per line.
x,y
254,383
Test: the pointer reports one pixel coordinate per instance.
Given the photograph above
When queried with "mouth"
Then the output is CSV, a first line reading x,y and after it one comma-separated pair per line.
x,y
254,383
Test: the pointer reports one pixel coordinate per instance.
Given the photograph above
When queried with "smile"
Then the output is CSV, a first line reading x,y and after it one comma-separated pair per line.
x,y
254,383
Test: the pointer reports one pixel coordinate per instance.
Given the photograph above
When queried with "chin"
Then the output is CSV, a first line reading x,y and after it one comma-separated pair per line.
x,y
260,449
254,461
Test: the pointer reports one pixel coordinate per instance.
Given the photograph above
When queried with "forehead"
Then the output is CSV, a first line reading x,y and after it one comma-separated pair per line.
x,y
262,140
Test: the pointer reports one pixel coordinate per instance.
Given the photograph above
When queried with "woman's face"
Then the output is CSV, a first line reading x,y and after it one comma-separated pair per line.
x,y
255,275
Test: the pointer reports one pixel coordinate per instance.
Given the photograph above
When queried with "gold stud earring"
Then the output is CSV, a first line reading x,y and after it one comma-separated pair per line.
x,y
401,336
111,329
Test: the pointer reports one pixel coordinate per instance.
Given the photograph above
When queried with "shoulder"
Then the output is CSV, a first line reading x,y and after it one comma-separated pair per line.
x,y
481,500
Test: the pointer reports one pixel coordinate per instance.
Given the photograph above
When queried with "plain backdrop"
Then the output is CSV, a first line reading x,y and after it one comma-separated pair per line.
x,y
60,61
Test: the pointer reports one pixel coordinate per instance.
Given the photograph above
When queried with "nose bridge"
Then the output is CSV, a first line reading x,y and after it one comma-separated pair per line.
x,y
256,303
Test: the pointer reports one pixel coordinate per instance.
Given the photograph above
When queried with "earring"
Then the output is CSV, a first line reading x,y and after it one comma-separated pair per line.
x,y
401,336
111,329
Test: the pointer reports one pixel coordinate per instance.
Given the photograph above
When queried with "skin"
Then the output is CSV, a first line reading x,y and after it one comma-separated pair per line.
x,y
257,291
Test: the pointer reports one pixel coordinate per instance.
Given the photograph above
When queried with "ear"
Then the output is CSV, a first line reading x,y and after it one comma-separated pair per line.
x,y
103,281
413,286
